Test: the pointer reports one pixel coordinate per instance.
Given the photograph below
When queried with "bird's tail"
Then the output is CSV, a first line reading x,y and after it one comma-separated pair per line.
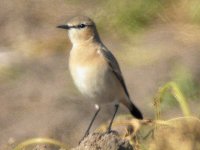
x,y
133,109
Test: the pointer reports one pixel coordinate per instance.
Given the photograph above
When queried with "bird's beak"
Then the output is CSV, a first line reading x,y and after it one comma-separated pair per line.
x,y
63,27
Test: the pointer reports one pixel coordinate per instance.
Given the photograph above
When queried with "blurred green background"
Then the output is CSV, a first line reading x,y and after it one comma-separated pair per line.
x,y
155,41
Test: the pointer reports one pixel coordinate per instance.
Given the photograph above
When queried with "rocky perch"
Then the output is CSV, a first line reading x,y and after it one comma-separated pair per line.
x,y
104,141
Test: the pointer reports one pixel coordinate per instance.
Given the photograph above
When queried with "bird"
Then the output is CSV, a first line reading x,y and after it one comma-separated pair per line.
x,y
95,70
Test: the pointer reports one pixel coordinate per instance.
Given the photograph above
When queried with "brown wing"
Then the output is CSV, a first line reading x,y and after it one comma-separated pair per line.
x,y
114,67
117,72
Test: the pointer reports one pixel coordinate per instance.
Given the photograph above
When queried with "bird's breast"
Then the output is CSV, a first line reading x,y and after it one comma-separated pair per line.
x,y
93,77
90,79
89,72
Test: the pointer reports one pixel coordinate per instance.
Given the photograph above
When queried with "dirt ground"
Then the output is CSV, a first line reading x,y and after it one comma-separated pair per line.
x,y
105,141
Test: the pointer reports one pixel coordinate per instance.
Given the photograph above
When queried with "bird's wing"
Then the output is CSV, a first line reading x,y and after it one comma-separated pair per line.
x,y
114,66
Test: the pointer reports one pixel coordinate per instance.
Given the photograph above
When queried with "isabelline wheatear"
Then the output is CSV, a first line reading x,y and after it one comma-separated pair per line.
x,y
94,69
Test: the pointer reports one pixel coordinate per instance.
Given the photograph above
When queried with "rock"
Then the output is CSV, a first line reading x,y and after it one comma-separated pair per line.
x,y
104,141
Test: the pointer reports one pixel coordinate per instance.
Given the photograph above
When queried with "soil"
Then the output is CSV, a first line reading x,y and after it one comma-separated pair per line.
x,y
104,141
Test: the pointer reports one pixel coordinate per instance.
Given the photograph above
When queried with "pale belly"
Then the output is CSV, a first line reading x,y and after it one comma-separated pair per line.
x,y
96,83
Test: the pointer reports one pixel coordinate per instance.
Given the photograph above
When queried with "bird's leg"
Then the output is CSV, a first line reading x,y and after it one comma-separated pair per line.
x,y
90,125
111,122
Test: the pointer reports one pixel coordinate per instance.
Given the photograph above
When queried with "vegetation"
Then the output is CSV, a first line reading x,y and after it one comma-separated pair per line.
x,y
145,133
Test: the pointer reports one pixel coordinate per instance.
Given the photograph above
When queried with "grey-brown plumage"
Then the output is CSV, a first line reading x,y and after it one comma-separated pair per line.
x,y
94,69
114,66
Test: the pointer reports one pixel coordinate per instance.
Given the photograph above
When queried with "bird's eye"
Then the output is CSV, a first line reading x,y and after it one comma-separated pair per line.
x,y
81,26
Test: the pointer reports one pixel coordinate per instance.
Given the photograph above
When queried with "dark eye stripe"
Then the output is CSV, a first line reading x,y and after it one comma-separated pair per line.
x,y
80,26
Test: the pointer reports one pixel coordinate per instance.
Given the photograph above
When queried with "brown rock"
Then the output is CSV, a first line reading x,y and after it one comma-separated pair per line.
x,y
104,141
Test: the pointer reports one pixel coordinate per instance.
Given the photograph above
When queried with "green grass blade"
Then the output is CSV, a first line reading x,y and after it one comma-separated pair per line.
x,y
176,92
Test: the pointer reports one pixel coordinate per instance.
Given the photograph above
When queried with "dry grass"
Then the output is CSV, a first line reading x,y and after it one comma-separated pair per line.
x,y
40,141
176,133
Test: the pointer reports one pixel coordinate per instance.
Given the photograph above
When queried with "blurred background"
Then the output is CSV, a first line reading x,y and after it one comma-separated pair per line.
x,y
155,41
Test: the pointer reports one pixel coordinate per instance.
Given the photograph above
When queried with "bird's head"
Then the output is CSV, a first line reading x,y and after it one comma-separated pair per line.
x,y
80,29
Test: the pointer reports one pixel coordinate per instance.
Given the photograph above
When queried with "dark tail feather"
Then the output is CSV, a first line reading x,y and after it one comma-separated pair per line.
x,y
133,109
